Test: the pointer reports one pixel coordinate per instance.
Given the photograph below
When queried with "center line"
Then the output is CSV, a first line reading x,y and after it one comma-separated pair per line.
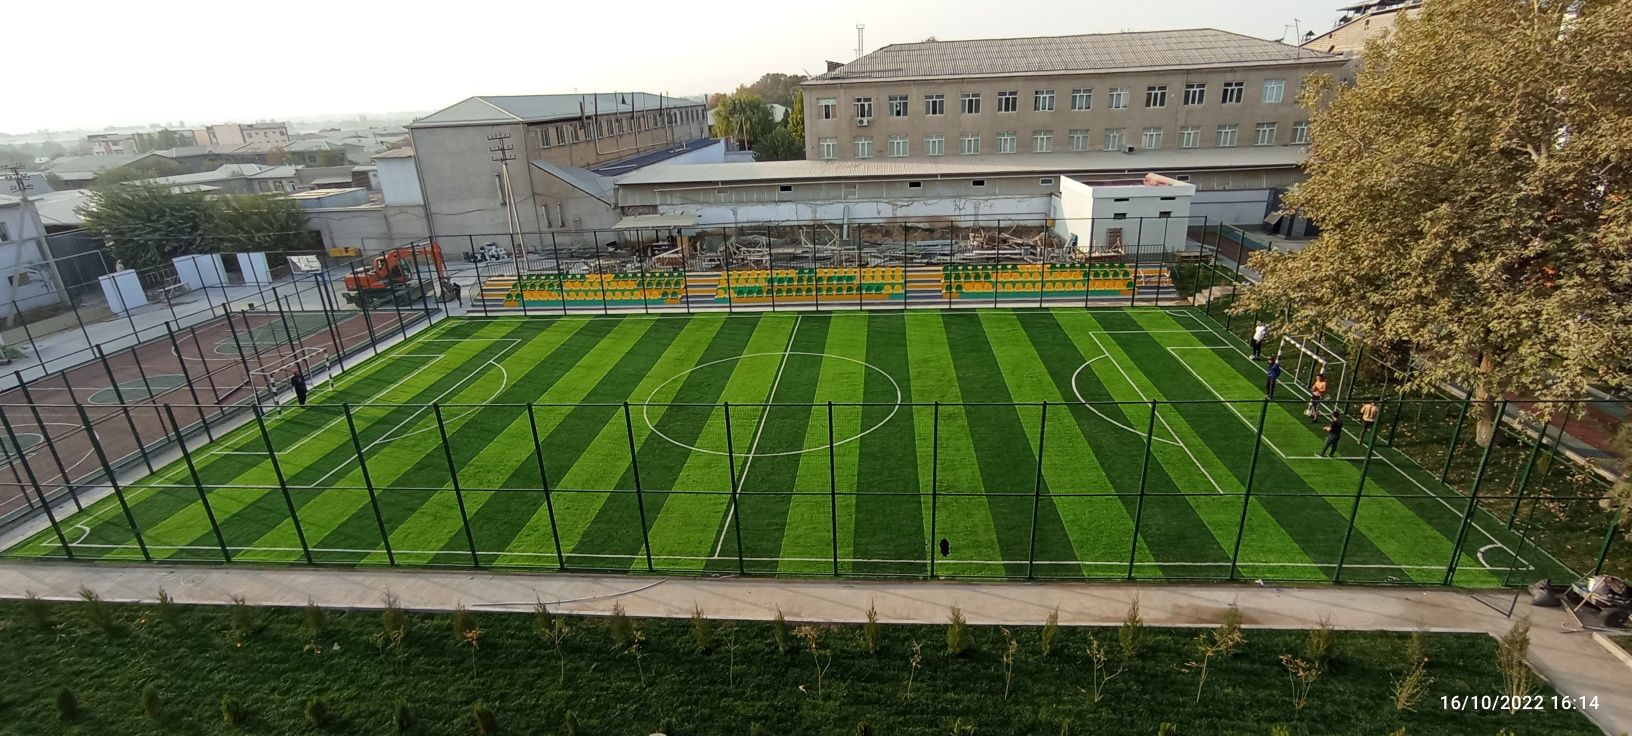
x,y
759,432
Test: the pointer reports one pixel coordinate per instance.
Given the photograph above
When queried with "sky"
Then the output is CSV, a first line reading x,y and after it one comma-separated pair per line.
x,y
206,62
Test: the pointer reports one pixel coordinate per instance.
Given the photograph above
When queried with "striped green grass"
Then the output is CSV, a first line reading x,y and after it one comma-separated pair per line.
x,y
937,419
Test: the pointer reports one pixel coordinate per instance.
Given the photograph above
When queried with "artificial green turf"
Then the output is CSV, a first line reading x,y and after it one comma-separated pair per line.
x,y
743,680
928,445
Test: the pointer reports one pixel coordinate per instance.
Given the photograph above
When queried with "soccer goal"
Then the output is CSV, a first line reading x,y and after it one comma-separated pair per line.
x,y
1305,357
274,375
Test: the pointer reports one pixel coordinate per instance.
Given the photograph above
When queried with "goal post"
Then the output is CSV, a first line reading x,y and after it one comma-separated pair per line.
x,y
1304,357
267,376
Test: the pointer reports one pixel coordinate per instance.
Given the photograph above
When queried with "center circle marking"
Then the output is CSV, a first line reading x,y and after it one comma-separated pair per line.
x,y
646,408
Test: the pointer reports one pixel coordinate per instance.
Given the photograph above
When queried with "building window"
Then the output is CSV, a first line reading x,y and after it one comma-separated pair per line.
x,y
864,146
1043,100
1226,136
785,188
828,107
1263,134
1119,98
898,146
561,135
1079,139
1165,214
1156,95
1008,101
1190,136
1300,133
934,104
827,148
915,185
969,144
898,106
1195,93
1082,99
971,103
934,145
1152,139
1005,142
977,182
5,232
1042,141
1274,91
1114,139
1233,92
1046,181
864,107
544,138
1119,216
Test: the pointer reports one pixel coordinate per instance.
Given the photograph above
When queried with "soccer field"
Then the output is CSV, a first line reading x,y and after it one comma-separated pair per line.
x,y
442,453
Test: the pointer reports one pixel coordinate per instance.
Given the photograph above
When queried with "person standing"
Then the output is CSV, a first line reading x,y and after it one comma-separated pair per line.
x,y
1260,333
1334,432
1274,374
297,381
1317,393
1368,417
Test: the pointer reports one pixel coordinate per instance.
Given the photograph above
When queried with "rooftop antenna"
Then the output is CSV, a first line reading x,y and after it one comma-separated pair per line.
x,y
860,29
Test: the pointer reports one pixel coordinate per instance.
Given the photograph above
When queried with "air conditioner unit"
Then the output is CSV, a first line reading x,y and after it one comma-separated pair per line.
x,y
1128,149
863,122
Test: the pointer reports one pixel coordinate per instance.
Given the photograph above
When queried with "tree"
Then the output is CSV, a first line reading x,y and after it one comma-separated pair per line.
x,y
147,225
160,140
1472,191
796,118
258,222
779,145
147,168
331,158
776,88
743,117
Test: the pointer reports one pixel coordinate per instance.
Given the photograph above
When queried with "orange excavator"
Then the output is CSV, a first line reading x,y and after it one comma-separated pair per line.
x,y
402,276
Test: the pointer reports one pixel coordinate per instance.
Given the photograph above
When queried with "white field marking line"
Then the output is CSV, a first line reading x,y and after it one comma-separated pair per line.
x,y
1379,456
760,432
1095,410
711,558
1159,417
504,383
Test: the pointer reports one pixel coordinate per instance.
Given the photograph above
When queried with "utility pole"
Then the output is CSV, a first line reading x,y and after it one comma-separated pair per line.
x,y
31,219
503,153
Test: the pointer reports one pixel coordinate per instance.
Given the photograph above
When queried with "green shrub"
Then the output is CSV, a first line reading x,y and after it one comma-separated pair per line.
x,y
700,631
486,722
779,630
150,700
393,623
1130,636
543,620
961,727
244,621
402,717
1065,727
99,614
1051,629
571,728
869,630
754,729
167,611
958,639
464,622
1318,644
1167,729
37,611
315,621
668,727
863,729
623,630
317,712
233,711
67,705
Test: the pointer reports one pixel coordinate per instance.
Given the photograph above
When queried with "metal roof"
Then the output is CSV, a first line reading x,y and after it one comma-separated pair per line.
x,y
1049,163
626,165
636,222
499,109
588,182
1100,52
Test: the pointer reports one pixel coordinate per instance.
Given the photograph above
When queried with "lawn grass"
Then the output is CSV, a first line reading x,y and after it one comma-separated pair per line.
x,y
927,446
278,667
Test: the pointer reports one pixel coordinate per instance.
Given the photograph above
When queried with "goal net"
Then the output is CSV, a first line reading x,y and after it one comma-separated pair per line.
x,y
273,375
1303,358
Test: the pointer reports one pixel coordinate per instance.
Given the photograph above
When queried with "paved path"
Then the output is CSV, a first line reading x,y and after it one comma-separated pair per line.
x,y
1574,663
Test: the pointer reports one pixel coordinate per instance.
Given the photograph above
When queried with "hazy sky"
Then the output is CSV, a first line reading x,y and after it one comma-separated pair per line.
x,y
95,63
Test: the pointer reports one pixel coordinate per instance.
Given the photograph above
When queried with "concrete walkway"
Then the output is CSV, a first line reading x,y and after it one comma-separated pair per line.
x,y
1574,663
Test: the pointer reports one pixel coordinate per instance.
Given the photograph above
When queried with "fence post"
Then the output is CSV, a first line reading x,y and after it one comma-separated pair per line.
x,y
1246,494
334,333
1144,473
45,434
453,475
1036,491
113,481
544,478
192,470
1456,436
934,483
44,502
640,497
249,374
731,458
1354,510
368,483
187,375
1609,541
283,483
1529,465
833,489
1473,497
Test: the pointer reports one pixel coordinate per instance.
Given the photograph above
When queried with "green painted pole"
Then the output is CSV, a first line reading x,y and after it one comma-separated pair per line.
x,y
453,475
187,376
50,516
203,498
1246,495
1456,436
1473,498
833,488
50,446
368,482
283,483
736,511
1144,474
544,479
1036,491
640,496
1609,540
113,481
1359,491
1524,477
934,484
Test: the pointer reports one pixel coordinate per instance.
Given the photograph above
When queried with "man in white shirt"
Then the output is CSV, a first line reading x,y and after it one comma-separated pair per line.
x,y
1259,334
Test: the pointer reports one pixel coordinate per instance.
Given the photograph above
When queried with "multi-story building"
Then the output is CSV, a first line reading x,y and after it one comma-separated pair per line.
x,y
234,134
555,146
1360,23
1064,96
111,144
